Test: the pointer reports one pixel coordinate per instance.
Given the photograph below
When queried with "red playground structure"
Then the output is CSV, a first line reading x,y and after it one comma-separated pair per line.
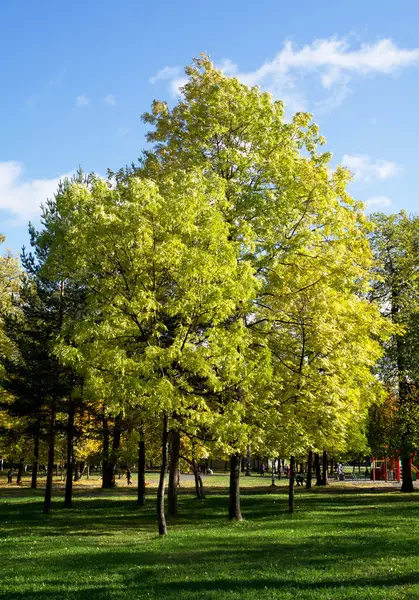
x,y
389,469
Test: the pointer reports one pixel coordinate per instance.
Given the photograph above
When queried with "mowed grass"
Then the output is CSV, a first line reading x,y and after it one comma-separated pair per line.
x,y
344,542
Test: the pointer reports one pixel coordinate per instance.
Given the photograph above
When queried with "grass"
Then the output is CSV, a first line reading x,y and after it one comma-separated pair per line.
x,y
342,543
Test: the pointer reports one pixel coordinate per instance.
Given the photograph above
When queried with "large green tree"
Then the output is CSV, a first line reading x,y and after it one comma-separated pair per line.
x,y
395,244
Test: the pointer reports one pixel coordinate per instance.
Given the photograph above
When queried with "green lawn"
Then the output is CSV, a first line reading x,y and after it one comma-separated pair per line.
x,y
342,543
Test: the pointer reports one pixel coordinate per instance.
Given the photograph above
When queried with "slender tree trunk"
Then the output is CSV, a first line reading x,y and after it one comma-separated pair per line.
x,y
76,470
248,462
318,470
324,477
51,451
20,470
161,519
172,489
110,458
309,470
407,481
106,480
291,485
68,498
141,471
35,458
197,486
234,496
273,473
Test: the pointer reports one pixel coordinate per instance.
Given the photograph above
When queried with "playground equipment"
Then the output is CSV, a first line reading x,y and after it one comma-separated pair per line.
x,y
389,469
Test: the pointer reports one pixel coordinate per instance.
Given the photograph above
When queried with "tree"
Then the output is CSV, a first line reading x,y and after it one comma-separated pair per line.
x,y
162,282
395,243
305,238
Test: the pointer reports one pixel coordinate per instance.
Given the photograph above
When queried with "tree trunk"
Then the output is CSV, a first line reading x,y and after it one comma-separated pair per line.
x,y
68,498
35,459
161,519
234,496
407,481
291,485
324,474
273,473
309,470
51,450
199,488
248,462
173,485
106,480
20,470
110,459
317,469
141,471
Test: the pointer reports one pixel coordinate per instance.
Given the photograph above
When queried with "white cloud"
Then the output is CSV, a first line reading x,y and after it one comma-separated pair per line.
x,y
175,76
333,62
366,170
378,202
82,101
110,99
20,198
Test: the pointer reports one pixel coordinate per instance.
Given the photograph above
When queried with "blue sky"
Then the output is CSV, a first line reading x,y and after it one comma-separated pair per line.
x,y
76,77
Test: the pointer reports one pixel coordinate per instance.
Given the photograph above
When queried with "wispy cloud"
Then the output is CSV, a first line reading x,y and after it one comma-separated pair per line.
x,y
22,198
33,101
378,202
122,131
174,75
333,62
110,99
82,100
365,169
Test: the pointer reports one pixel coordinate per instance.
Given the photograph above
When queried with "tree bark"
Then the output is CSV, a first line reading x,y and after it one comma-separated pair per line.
x,y
161,518
324,474
407,481
273,473
317,468
68,497
20,470
110,459
51,451
291,485
106,480
141,471
309,470
248,462
172,490
35,459
234,495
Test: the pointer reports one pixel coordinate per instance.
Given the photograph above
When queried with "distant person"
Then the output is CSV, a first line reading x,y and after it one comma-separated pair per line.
x,y
10,474
129,477
299,479
262,469
210,472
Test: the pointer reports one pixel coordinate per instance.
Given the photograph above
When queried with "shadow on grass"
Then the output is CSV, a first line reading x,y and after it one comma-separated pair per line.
x,y
205,555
